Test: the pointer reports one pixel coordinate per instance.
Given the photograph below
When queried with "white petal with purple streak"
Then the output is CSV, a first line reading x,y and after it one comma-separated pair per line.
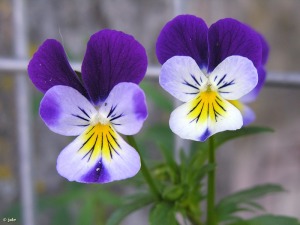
x,y
125,108
66,111
234,77
182,77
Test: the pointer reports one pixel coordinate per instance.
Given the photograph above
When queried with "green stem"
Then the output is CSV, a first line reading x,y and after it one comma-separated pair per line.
x,y
211,185
145,171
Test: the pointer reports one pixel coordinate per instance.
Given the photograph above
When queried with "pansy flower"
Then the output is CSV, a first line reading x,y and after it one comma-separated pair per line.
x,y
209,69
104,102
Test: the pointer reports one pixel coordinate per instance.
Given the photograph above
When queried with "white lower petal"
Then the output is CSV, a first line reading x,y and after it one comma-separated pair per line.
x,y
204,116
99,155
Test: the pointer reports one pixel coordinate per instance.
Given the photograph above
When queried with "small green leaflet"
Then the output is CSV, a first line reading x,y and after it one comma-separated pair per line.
x,y
137,202
243,200
269,220
163,213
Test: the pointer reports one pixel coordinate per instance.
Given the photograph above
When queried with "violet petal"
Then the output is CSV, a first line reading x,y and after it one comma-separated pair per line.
x,y
185,35
229,37
111,57
50,67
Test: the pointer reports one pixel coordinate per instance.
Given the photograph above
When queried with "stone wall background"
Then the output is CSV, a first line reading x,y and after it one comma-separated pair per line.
x,y
264,158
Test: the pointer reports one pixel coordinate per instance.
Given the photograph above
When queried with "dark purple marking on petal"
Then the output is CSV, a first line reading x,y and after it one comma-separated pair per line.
x,y
205,135
112,57
112,115
50,67
185,35
49,111
139,100
229,37
98,174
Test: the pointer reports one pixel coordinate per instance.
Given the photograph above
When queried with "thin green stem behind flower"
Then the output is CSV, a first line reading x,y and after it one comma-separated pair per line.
x,y
145,170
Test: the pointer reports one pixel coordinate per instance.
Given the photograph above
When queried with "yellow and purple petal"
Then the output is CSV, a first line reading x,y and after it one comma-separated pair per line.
x,y
50,67
185,35
125,108
203,116
111,57
234,77
99,155
182,77
66,111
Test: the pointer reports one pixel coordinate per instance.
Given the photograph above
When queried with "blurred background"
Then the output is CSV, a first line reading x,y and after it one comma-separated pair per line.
x,y
272,157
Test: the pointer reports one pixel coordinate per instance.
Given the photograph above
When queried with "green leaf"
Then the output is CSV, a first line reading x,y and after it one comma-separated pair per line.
x,y
255,205
106,197
61,216
163,213
86,213
272,220
169,157
161,135
157,96
251,193
223,137
204,170
137,202
241,200
172,193
269,220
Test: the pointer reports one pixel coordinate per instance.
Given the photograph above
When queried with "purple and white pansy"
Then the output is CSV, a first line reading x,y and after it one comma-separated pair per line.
x,y
212,70
106,102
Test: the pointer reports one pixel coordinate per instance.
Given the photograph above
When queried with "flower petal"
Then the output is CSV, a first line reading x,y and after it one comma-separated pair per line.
x,y
265,49
247,113
49,67
111,57
99,155
185,35
66,111
182,78
204,116
125,108
229,37
252,95
234,77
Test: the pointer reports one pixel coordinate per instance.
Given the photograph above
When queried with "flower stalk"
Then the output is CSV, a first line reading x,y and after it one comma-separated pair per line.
x,y
145,170
211,186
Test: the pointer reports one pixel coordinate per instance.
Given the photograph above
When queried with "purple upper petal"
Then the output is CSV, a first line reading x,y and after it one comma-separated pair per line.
x,y
252,95
261,72
185,35
265,49
229,37
111,57
49,67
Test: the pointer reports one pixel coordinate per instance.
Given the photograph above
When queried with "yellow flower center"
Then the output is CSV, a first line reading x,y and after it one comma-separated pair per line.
x,y
207,105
